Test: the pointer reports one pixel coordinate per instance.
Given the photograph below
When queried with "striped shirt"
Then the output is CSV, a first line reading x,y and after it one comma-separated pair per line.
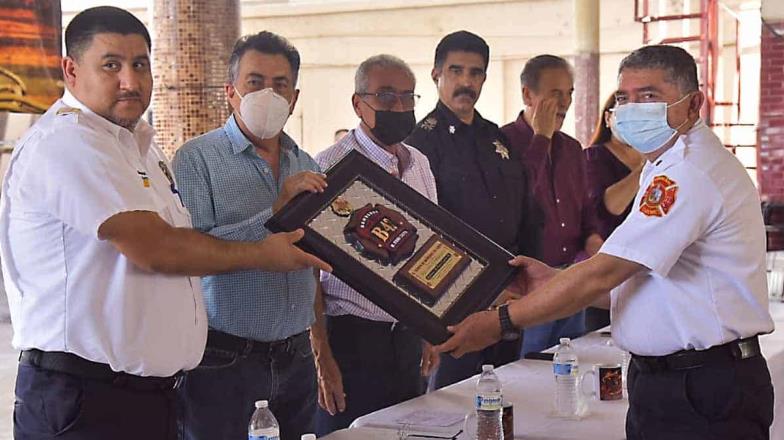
x,y
229,191
341,299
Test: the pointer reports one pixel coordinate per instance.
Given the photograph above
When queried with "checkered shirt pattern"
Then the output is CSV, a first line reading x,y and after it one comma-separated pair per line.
x,y
341,299
229,191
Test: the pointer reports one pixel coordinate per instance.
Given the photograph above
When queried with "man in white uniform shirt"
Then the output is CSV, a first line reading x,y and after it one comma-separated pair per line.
x,y
366,359
98,253
686,270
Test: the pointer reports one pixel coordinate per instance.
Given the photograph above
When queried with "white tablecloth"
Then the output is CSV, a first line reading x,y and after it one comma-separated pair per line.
x,y
529,386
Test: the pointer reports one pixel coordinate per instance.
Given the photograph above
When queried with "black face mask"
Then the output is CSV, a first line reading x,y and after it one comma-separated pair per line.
x,y
392,127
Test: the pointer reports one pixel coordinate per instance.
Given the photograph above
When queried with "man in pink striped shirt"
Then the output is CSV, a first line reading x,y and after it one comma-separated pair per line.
x,y
366,359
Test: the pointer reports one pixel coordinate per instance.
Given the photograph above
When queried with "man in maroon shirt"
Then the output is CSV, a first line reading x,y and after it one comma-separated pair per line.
x,y
556,164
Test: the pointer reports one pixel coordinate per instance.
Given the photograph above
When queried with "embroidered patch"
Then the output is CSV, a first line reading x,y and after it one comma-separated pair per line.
x,y
659,197
162,165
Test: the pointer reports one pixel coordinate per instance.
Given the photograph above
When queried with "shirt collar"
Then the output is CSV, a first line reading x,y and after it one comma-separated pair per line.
x,y
451,118
142,134
522,125
240,143
677,152
378,153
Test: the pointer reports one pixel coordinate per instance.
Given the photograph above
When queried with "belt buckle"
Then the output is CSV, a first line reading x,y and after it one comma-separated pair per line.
x,y
745,349
178,379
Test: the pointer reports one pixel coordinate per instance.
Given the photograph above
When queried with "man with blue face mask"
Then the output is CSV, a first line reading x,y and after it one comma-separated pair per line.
x,y
232,180
684,274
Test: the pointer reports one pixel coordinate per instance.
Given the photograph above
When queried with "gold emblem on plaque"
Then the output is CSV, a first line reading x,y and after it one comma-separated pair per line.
x,y
341,207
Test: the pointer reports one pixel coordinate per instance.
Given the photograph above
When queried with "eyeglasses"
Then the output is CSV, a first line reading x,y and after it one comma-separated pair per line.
x,y
388,100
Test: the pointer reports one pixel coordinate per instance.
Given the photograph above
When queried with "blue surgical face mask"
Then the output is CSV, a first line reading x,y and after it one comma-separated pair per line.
x,y
643,125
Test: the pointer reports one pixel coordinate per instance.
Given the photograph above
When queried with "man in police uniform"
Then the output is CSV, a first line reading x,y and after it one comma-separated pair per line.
x,y
98,252
686,270
478,178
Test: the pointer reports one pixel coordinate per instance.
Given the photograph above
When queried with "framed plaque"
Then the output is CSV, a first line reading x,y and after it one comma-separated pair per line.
x,y
409,256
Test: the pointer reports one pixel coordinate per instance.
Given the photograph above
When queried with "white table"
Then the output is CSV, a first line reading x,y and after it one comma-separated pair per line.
x,y
529,385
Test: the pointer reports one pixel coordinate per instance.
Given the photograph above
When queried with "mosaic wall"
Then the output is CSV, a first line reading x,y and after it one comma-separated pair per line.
x,y
193,41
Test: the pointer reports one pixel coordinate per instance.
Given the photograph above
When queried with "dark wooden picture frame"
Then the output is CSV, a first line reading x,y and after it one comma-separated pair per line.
x,y
479,294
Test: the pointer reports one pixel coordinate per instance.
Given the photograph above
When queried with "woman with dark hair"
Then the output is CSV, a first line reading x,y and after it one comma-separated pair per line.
x,y
613,169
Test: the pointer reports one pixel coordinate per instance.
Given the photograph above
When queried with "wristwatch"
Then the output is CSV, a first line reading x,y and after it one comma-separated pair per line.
x,y
508,330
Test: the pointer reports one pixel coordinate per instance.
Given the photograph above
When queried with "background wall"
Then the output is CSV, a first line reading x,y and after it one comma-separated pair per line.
x,y
771,118
334,36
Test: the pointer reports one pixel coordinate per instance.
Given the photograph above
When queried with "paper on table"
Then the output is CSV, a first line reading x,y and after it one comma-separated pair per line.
x,y
439,419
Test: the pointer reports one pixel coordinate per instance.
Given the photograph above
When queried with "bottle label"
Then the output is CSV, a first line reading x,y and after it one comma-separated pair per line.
x,y
565,370
490,402
264,434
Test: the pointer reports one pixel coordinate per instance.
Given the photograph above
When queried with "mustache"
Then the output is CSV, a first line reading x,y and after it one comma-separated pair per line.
x,y
464,91
129,95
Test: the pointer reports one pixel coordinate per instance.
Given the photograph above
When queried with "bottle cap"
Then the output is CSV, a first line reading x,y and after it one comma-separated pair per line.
x,y
308,437
565,341
487,367
262,404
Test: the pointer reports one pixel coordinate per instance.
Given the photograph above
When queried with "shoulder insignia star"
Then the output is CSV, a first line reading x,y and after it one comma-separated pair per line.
x,y
429,124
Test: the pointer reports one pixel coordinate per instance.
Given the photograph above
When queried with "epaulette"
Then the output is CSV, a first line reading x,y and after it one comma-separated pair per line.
x,y
68,114
68,111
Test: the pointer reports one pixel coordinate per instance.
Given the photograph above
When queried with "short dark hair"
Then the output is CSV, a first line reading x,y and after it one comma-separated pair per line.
x,y
100,20
678,65
264,42
532,71
461,41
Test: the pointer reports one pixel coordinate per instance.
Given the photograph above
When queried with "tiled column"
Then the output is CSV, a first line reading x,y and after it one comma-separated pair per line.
x,y
192,41
586,68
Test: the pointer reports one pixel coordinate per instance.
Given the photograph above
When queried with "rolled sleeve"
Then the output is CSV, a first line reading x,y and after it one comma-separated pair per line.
x,y
657,242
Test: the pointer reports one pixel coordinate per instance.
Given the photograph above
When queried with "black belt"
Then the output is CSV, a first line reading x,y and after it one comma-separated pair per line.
x,y
683,360
228,342
71,364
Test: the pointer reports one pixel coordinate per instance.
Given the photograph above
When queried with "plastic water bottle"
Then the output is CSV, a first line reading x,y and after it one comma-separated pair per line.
x,y
263,425
489,405
567,372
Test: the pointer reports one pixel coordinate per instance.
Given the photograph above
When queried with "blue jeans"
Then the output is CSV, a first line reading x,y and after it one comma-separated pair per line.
x,y
216,400
543,336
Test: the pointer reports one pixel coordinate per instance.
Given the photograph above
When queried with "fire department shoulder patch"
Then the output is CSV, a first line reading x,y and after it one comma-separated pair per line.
x,y
659,198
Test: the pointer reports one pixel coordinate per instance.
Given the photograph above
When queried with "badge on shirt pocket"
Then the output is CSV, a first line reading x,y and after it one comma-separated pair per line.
x,y
144,177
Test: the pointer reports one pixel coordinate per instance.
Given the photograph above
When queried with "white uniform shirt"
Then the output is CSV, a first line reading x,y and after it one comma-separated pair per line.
x,y
68,290
696,224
